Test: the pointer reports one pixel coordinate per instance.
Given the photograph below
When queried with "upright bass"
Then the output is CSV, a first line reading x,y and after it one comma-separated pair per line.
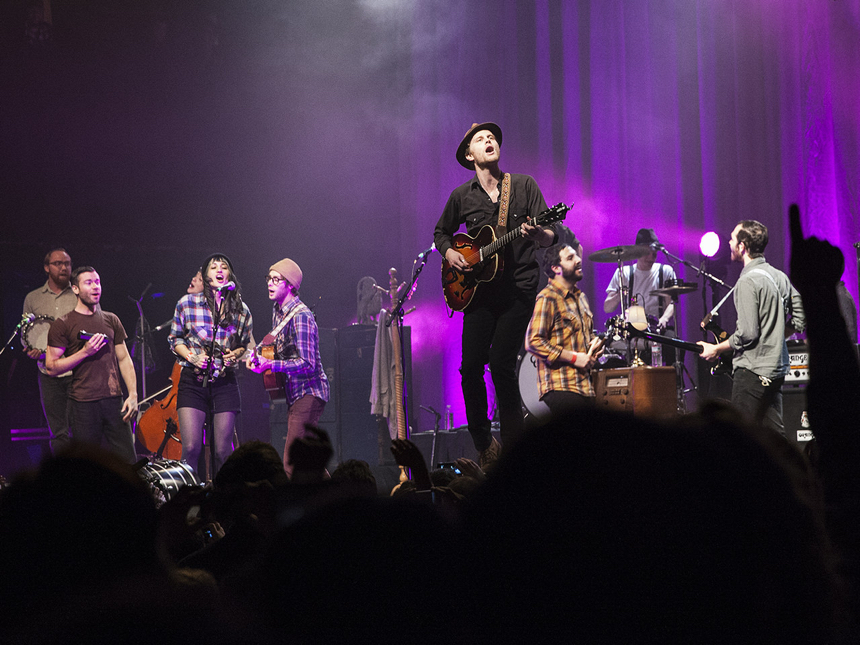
x,y
158,428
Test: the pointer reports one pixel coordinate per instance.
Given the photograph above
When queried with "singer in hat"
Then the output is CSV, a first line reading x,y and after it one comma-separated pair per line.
x,y
208,381
495,322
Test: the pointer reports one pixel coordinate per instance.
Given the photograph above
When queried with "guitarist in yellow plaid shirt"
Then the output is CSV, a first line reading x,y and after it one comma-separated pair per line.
x,y
561,333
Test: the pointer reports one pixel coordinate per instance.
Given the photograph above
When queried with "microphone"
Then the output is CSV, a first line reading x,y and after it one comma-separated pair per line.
x,y
657,246
428,251
230,286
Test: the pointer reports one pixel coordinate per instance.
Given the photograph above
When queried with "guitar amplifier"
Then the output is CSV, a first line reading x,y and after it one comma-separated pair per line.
x,y
798,359
643,391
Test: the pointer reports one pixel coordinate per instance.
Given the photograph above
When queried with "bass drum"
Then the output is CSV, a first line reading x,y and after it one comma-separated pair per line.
x,y
527,376
166,476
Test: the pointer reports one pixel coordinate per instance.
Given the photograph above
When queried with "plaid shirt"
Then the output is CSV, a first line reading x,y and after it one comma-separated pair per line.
x,y
562,319
192,327
297,353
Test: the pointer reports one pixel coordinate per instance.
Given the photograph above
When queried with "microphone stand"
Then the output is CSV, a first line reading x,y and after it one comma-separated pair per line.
x,y
141,338
207,383
396,315
24,320
680,366
438,418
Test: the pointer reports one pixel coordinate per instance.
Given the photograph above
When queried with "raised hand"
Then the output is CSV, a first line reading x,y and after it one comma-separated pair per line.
x,y
815,264
408,455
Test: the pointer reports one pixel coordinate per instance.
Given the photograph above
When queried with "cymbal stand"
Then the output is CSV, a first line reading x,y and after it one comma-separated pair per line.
x,y
679,365
625,290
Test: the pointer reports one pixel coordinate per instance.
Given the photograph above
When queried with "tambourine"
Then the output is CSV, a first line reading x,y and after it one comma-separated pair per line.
x,y
34,334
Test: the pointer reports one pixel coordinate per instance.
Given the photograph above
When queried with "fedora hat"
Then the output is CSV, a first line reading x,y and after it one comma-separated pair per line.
x,y
467,139
646,237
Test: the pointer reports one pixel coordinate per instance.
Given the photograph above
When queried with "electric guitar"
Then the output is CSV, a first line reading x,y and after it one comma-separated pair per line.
x,y
723,366
481,253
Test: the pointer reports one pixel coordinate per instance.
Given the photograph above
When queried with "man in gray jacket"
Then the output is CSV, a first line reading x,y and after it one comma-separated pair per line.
x,y
769,310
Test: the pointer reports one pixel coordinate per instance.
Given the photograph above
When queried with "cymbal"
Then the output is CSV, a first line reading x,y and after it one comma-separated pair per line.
x,y
620,253
676,289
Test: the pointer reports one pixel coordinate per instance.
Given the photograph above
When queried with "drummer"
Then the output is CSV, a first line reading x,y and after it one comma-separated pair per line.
x,y
640,279
50,301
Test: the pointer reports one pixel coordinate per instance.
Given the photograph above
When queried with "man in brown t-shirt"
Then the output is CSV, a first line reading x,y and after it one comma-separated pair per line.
x,y
91,343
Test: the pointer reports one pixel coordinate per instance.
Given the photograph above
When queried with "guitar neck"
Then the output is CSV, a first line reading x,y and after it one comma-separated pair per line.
x,y
665,340
550,215
499,243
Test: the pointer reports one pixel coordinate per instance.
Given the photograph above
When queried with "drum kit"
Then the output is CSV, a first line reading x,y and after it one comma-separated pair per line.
x,y
624,348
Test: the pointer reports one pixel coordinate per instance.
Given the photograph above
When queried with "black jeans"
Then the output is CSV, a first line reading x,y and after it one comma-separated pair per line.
x,y
760,403
94,420
494,328
561,403
55,403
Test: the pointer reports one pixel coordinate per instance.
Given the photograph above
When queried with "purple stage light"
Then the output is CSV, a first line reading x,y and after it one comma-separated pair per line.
x,y
709,244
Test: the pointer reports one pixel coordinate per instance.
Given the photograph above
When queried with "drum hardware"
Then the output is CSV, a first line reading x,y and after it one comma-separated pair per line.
x,y
527,377
675,288
165,477
620,253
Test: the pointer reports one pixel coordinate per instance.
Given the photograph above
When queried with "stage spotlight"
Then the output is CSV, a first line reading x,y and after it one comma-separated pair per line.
x,y
709,244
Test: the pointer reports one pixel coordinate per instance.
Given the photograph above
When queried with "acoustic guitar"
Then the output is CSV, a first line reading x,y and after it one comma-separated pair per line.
x,y
482,254
274,382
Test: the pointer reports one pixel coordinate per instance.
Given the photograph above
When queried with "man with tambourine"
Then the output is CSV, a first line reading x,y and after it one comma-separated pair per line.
x,y
43,305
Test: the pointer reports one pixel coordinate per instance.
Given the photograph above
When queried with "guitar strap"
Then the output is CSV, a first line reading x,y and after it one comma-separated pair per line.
x,y
502,226
269,339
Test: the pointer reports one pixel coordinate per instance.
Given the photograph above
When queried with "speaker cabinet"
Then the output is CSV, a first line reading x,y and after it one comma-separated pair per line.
x,y
362,436
643,391
359,431
794,418
347,358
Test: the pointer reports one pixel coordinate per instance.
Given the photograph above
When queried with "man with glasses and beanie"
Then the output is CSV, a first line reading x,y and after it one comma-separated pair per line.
x,y
53,300
495,322
294,341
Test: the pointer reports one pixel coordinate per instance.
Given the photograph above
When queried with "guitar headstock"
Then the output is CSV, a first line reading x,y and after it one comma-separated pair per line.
x,y
551,215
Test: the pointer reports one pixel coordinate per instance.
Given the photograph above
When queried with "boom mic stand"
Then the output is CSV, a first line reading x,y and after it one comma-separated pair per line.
x,y
142,339
680,366
396,316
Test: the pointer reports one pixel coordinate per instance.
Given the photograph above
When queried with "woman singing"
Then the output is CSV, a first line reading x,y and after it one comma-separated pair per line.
x,y
219,304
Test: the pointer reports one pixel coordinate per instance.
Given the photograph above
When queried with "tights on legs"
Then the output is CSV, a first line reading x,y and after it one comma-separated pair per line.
x,y
191,422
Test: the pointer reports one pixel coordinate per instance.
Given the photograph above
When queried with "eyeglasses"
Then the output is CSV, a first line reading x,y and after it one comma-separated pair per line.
x,y
58,263
274,279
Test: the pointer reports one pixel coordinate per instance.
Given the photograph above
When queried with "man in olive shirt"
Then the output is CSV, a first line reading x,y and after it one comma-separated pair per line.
x,y
53,300
769,309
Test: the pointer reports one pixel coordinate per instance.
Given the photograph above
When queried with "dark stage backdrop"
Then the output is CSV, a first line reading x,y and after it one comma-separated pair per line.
x,y
144,135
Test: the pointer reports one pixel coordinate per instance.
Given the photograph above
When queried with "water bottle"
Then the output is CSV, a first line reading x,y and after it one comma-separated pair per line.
x,y
656,355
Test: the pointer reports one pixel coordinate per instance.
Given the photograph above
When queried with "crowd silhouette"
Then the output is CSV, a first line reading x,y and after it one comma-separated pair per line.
x,y
596,527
